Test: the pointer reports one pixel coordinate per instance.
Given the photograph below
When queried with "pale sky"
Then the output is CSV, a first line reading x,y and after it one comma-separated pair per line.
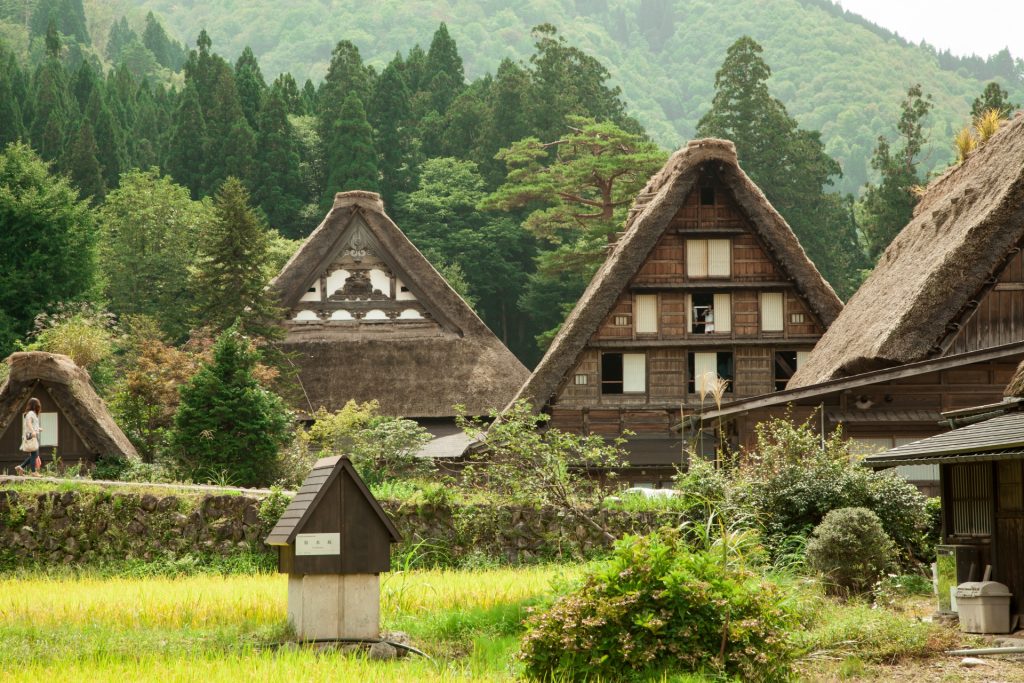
x,y
964,27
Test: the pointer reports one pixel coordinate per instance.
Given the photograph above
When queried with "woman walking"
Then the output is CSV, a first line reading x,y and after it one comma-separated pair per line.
x,y
30,430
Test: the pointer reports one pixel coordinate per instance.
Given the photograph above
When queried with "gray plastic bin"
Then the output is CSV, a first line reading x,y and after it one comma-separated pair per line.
x,y
984,607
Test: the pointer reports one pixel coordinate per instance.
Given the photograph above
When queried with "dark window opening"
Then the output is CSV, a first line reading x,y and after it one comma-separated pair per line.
x,y
707,196
611,373
723,368
403,288
785,368
702,315
312,289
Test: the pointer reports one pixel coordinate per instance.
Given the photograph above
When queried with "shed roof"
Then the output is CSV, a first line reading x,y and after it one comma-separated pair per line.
x,y
71,389
999,436
421,371
648,219
323,474
963,229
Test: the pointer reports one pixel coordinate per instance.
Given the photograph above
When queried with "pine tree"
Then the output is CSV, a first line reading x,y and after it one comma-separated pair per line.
x,y
66,16
227,426
84,83
83,166
346,76
11,122
120,36
186,161
250,84
310,99
168,53
350,156
112,155
444,68
231,271
288,89
52,106
993,97
278,184
393,132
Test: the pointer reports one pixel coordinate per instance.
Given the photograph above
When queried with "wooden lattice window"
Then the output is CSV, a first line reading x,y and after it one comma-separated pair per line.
x,y
972,499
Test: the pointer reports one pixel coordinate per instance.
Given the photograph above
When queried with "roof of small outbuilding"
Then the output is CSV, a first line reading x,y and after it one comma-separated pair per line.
x,y
647,220
317,482
71,389
419,374
960,236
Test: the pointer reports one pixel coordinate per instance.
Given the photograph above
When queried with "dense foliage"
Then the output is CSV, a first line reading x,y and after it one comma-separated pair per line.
x,y
228,427
850,549
658,604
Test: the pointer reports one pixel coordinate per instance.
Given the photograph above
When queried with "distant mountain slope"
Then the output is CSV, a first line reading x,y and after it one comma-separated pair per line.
x,y
834,71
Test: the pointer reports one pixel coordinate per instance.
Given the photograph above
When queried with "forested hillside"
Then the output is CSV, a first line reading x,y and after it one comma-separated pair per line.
x,y
835,72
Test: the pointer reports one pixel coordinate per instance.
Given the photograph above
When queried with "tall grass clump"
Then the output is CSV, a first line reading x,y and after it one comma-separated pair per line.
x,y
663,603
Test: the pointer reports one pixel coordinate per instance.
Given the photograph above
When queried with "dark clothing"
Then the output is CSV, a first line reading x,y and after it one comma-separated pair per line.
x,y
29,463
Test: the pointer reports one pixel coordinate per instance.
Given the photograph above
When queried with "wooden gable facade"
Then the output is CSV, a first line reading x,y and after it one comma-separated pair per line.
x,y
710,297
707,279
995,315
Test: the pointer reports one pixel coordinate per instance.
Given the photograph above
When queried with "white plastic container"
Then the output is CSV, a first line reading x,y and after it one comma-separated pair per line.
x,y
984,607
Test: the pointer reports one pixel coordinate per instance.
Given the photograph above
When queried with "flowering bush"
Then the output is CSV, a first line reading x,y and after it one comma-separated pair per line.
x,y
656,604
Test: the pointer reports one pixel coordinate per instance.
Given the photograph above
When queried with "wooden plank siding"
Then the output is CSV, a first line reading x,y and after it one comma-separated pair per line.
x,y
718,232
998,317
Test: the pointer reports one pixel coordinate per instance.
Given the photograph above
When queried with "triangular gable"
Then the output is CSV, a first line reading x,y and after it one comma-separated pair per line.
x,y
967,224
320,479
649,217
69,387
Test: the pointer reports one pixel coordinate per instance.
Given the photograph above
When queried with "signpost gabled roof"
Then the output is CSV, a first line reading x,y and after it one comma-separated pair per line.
x,y
315,486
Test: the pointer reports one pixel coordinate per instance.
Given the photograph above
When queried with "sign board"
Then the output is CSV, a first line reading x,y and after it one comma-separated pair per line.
x,y
48,422
318,544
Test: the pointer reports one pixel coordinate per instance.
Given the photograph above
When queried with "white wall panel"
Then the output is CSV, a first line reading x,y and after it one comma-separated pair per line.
x,y
771,312
719,258
634,372
697,258
723,312
646,313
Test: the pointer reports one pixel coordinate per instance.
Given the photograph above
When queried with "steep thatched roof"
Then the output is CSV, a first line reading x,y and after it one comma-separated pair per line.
x,y
1015,389
71,390
650,215
413,369
958,239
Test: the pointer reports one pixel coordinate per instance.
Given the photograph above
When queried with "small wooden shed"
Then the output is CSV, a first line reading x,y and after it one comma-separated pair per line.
x,y
76,423
333,541
981,473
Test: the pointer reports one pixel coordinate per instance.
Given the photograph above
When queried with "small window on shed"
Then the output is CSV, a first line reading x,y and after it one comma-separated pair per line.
x,y
972,499
796,318
581,379
621,321
707,196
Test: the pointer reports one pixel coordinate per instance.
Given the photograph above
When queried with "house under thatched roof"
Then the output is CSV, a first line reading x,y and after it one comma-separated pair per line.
x,y
949,282
651,215
369,318
79,421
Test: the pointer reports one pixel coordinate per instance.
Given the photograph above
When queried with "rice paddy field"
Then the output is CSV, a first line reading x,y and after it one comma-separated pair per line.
x,y
213,628
225,628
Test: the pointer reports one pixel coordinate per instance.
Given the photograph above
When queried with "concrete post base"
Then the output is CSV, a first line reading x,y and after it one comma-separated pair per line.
x,y
327,606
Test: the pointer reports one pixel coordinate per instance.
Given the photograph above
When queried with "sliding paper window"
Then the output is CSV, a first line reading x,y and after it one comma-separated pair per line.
x,y
708,258
623,373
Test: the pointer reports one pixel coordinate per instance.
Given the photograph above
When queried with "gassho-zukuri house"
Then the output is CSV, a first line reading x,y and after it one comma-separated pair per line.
x,y
707,277
369,318
937,327
981,485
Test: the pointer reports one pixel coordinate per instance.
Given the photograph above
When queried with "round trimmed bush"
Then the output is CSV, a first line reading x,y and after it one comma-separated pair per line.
x,y
657,605
850,549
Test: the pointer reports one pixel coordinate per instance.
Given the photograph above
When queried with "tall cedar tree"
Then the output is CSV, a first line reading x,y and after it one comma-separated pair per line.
x,y
445,71
53,107
993,97
231,270
11,100
121,35
350,157
391,116
788,163
227,426
82,164
168,53
186,159
278,184
250,84
287,87
83,84
109,139
67,16
47,237
889,205
149,235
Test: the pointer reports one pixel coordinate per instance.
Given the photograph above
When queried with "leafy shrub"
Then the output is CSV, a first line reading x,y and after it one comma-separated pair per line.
x,y
119,468
791,481
850,549
656,604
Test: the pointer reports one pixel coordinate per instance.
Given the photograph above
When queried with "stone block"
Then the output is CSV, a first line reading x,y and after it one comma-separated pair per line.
x,y
329,606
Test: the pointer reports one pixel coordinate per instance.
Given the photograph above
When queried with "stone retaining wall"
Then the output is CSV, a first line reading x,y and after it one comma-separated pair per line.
x,y
92,527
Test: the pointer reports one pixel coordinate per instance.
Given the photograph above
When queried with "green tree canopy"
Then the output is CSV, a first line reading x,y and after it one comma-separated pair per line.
x,y
993,97
350,155
47,237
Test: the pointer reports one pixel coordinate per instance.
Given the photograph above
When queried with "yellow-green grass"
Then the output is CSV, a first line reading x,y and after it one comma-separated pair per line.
x,y
224,628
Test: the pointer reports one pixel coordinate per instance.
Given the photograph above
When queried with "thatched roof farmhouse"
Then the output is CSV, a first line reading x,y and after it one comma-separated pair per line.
x,y
369,318
76,422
